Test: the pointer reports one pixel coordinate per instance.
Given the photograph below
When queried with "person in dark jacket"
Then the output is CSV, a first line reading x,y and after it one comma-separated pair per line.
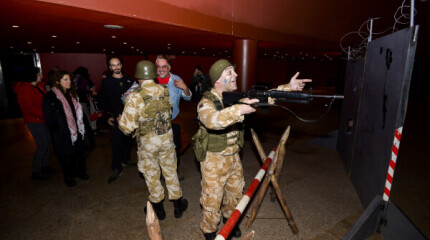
x,y
65,119
30,95
111,90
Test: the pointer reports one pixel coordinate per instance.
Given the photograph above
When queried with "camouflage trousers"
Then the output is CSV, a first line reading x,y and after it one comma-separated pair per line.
x,y
155,152
222,188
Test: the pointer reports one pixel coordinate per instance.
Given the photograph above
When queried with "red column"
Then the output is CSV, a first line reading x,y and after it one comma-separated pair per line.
x,y
245,58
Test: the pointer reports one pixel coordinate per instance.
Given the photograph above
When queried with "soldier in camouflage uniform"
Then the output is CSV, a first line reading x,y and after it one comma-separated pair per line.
x,y
217,144
148,111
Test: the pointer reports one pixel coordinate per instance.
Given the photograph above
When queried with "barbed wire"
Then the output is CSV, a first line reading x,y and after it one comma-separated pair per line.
x,y
358,49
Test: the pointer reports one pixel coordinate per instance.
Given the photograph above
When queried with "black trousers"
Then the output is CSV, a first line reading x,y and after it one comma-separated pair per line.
x,y
176,128
121,147
74,164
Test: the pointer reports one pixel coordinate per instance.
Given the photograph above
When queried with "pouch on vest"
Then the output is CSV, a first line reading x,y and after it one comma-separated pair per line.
x,y
200,144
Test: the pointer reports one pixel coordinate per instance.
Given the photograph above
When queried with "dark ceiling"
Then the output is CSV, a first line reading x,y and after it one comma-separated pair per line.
x,y
82,30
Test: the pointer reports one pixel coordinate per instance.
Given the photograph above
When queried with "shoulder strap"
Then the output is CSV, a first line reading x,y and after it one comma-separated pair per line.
x,y
40,90
214,99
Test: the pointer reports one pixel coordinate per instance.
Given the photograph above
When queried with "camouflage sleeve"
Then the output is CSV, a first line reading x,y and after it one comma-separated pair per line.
x,y
130,115
217,120
284,87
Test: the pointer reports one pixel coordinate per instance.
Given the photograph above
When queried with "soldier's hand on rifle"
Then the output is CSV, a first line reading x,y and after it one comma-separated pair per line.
x,y
247,109
298,84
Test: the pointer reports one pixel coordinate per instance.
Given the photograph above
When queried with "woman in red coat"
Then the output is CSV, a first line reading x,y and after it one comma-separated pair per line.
x,y
30,95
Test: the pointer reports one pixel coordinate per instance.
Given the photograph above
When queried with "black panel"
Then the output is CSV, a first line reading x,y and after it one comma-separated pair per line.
x,y
348,126
387,75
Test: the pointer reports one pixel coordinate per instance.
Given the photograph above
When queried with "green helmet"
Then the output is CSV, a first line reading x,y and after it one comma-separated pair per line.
x,y
217,68
145,70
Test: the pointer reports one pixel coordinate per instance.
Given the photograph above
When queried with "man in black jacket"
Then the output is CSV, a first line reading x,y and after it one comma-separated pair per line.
x,y
111,90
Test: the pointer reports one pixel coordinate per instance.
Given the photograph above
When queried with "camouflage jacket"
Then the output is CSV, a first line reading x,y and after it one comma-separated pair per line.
x,y
210,118
134,115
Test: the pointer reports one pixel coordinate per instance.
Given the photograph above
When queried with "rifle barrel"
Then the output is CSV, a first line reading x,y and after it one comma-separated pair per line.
x,y
329,96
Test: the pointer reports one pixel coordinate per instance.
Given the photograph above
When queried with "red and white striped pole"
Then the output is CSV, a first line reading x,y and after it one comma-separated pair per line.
x,y
392,165
232,220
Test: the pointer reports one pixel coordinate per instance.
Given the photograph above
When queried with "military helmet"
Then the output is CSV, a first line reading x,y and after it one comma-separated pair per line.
x,y
145,70
217,68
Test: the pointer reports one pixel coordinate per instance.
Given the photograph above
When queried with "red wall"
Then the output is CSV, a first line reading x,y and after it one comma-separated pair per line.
x,y
96,63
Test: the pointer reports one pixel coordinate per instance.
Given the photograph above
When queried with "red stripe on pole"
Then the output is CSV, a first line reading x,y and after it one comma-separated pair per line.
x,y
387,191
395,150
397,134
389,178
252,188
229,225
392,164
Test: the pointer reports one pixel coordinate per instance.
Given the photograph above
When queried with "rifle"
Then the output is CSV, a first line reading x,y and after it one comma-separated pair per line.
x,y
230,98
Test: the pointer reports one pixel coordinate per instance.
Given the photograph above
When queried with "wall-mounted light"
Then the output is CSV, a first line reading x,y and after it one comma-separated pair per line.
x,y
125,43
54,36
29,43
113,36
15,26
109,26
78,42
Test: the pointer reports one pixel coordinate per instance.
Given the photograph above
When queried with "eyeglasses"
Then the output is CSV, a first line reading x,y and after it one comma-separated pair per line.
x,y
163,67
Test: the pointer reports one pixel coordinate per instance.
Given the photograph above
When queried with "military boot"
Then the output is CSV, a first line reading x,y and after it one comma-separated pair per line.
x,y
158,209
210,236
180,206
235,232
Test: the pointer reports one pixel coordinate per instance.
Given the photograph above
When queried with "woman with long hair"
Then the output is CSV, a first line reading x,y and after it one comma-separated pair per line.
x,y
64,117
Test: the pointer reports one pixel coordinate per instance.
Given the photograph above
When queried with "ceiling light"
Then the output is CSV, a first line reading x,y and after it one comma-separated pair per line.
x,y
137,50
78,42
113,36
54,36
183,52
113,26
169,44
28,42
124,43
132,47
15,26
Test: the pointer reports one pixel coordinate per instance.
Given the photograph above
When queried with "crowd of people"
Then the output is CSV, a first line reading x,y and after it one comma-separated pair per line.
x,y
148,111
